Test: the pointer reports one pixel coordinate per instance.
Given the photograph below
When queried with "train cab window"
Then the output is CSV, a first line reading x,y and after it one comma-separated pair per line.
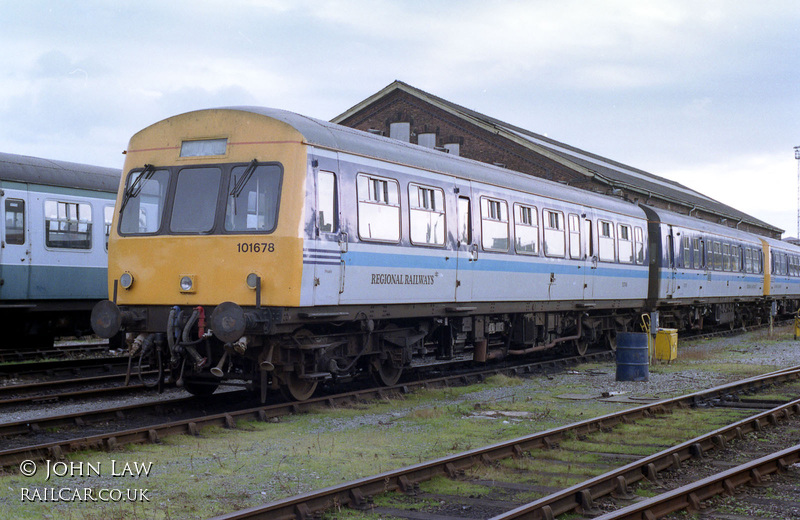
x,y
426,215
625,244
494,224
15,221
554,242
526,229
253,196
574,236
143,202
606,247
108,216
195,205
327,207
378,208
68,225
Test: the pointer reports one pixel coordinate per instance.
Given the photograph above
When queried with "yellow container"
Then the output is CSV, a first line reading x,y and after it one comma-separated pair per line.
x,y
667,344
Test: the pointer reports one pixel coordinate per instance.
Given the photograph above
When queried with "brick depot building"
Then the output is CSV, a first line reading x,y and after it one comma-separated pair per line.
x,y
409,114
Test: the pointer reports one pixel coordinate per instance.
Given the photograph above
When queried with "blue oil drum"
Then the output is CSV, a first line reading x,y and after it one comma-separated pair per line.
x,y
632,357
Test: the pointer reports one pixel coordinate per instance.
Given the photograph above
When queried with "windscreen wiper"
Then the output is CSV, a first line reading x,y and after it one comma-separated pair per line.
x,y
136,186
239,186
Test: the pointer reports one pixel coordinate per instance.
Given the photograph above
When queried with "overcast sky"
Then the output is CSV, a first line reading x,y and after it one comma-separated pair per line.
x,y
701,92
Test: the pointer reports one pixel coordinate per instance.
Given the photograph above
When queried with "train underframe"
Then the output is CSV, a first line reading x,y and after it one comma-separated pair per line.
x,y
295,357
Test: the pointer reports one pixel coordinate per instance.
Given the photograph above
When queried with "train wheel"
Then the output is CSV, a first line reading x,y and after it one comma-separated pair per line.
x,y
200,387
580,346
385,373
297,389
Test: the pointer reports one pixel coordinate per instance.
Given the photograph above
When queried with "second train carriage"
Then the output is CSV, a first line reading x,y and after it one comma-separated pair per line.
x,y
263,245
55,218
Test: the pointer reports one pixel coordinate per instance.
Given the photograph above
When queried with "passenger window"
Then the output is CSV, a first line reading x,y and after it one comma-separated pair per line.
x,y
426,214
526,229
494,224
638,235
108,216
736,259
726,257
606,248
697,253
574,236
687,252
717,257
625,244
68,225
15,221
464,222
327,202
748,260
378,208
554,241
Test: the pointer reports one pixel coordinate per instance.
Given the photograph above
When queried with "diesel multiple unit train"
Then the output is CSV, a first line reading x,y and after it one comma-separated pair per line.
x,y
259,245
53,246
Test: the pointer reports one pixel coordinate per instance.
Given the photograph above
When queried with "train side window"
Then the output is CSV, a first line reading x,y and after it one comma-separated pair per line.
x,y
108,216
687,252
736,259
494,224
378,208
464,222
697,253
327,211
606,248
526,229
554,243
748,260
717,256
574,236
638,239
726,257
625,244
68,225
426,215
15,221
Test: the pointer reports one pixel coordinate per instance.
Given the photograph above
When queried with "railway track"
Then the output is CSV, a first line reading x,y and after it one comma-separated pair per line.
x,y
63,367
578,498
31,430
60,390
63,350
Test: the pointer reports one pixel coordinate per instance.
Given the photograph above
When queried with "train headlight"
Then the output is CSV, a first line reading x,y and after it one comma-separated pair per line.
x,y
187,284
126,280
252,280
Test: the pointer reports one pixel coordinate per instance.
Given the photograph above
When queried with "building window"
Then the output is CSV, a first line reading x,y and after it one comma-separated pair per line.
x,y
15,221
68,225
427,140
378,208
554,242
426,215
400,131
494,224
526,229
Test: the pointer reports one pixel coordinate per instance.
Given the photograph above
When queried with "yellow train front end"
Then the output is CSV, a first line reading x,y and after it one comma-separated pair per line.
x,y
206,243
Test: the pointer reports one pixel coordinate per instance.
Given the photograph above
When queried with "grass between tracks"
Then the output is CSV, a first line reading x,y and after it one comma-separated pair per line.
x,y
221,471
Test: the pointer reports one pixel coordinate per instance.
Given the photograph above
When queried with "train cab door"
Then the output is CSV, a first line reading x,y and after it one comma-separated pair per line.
x,y
672,279
15,250
330,242
466,244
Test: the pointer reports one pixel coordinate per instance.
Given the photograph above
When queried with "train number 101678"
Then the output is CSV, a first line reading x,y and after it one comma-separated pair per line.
x,y
256,247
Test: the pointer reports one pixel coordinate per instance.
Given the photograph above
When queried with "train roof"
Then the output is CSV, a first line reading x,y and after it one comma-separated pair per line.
x,y
23,168
332,136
